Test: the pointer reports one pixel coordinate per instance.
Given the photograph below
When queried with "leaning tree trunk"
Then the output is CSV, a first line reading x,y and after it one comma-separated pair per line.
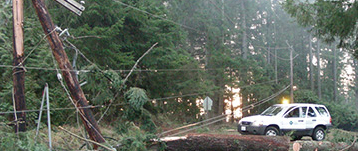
x,y
68,73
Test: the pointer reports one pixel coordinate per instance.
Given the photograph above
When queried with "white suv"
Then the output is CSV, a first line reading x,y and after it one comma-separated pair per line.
x,y
302,119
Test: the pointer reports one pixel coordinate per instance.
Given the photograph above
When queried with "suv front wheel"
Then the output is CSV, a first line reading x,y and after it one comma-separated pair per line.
x,y
271,131
318,134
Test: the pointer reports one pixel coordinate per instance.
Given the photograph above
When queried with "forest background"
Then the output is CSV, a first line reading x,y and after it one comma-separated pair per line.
x,y
205,48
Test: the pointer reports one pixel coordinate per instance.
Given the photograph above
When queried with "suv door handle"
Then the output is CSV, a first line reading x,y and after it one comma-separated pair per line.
x,y
300,120
313,120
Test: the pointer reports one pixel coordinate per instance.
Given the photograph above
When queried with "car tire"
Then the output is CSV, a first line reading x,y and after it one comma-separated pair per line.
x,y
319,134
272,131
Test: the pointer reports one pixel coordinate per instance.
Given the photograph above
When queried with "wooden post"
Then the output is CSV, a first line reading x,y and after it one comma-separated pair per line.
x,y
68,73
19,72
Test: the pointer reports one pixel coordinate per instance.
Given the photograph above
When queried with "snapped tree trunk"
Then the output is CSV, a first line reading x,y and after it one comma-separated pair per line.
x,y
19,71
206,142
68,73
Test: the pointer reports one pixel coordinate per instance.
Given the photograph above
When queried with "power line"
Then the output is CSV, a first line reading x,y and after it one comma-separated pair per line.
x,y
276,55
122,104
118,70
195,94
221,116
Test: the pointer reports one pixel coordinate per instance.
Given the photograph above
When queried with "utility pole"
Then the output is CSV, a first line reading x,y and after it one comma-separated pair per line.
x,y
291,71
68,73
19,71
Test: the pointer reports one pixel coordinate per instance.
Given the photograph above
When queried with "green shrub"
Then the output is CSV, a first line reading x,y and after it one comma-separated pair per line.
x,y
133,138
21,141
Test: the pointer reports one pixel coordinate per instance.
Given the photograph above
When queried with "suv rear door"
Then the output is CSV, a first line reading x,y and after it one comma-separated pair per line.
x,y
294,119
312,117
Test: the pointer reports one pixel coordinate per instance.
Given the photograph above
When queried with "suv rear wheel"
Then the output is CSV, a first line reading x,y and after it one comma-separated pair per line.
x,y
271,131
318,134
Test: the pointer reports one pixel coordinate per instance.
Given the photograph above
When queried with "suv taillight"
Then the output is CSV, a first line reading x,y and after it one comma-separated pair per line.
x,y
330,120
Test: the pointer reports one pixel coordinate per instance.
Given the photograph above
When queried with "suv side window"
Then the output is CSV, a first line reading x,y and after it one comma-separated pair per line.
x,y
311,113
303,113
294,113
322,111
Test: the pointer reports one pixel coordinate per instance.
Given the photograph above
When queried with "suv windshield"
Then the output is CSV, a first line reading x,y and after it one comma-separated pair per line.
x,y
272,110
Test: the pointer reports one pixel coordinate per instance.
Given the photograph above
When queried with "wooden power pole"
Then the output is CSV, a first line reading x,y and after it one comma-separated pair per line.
x,y
68,73
19,72
291,71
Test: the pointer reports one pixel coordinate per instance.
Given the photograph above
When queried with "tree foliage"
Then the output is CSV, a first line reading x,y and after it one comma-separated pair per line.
x,y
199,53
329,19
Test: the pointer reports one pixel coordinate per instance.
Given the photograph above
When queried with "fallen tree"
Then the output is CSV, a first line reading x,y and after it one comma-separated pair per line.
x,y
218,142
324,145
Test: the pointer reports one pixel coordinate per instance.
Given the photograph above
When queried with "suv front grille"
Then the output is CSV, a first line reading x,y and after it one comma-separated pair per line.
x,y
245,123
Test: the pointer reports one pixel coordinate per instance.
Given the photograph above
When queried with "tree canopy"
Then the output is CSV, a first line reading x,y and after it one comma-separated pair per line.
x,y
330,20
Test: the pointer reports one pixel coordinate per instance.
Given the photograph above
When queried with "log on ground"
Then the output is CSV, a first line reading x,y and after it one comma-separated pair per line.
x,y
323,145
219,142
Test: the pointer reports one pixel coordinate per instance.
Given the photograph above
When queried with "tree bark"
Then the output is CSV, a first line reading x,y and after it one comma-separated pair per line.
x,y
206,142
68,73
19,72
315,145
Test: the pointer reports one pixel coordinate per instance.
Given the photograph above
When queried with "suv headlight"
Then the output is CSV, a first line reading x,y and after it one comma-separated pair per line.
x,y
257,123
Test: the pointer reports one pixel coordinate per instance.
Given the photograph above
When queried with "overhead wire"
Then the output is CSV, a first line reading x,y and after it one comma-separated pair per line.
x,y
264,48
33,49
73,102
122,104
221,116
135,70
